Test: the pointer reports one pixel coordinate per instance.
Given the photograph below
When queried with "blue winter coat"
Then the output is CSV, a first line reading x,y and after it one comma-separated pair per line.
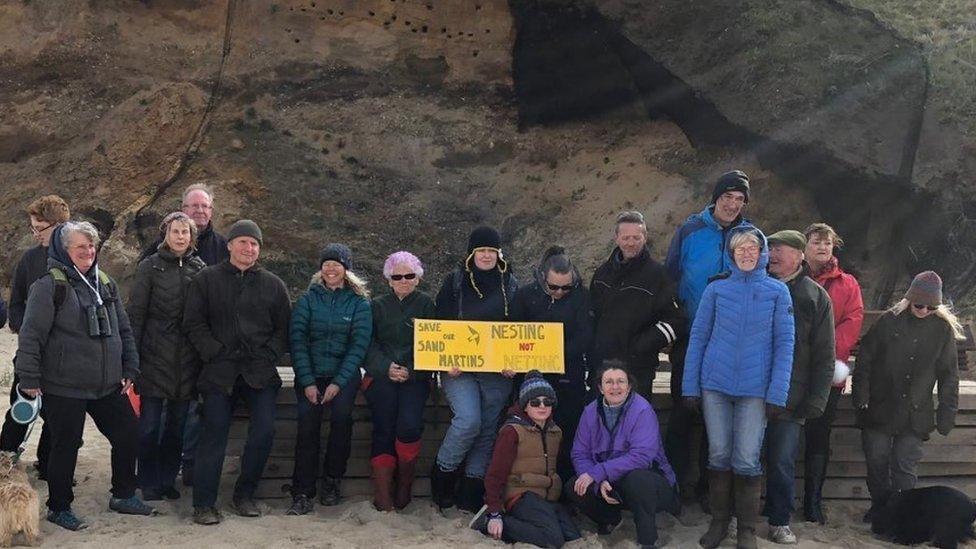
x,y
697,253
741,342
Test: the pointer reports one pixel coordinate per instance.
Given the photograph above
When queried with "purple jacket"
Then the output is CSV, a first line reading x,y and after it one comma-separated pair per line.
x,y
635,442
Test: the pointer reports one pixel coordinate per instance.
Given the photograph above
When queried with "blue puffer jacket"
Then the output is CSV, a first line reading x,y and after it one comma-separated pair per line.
x,y
330,333
741,342
697,253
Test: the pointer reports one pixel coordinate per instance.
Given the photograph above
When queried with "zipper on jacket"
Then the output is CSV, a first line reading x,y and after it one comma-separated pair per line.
x,y
545,455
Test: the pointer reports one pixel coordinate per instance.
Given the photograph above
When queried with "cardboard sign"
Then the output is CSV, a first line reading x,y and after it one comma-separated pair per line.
x,y
471,346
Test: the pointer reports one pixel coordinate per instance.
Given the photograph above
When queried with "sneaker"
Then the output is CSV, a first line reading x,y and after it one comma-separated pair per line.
x,y
330,491
782,535
245,507
607,529
300,505
480,520
130,506
169,492
206,516
67,520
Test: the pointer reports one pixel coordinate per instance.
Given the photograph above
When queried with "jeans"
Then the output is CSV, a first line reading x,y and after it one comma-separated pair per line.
x,y
13,434
891,461
643,491
114,418
160,441
477,401
191,434
398,412
736,426
217,412
782,440
309,440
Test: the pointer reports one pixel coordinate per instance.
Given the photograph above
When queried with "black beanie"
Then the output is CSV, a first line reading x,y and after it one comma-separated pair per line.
x,y
484,237
534,386
337,252
735,180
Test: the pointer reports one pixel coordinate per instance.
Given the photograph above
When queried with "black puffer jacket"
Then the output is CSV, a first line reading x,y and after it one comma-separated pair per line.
x,y
169,364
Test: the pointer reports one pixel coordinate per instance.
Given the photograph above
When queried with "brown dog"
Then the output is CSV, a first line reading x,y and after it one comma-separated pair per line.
x,y
19,505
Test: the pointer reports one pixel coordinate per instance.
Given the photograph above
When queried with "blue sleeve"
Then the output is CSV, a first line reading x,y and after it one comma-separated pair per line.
x,y
673,261
362,332
701,333
301,354
784,337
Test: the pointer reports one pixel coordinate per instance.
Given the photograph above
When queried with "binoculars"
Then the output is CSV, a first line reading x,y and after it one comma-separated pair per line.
x,y
99,324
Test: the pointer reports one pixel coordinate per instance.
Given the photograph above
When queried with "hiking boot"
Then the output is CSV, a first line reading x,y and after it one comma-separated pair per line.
x,y
245,507
151,494
130,506
747,496
442,487
169,492
331,494
406,471
605,529
67,519
782,535
300,505
206,516
719,498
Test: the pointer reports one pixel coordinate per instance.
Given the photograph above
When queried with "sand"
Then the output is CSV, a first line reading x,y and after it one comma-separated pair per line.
x,y
354,523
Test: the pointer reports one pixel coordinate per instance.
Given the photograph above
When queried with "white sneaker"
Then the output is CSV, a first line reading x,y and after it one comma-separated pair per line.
x,y
782,535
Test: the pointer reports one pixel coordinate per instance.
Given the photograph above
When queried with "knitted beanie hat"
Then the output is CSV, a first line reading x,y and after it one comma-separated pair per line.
x,y
484,237
534,386
735,180
245,227
337,252
926,289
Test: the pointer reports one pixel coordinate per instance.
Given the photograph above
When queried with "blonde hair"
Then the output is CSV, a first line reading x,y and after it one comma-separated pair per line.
x,y
944,312
356,284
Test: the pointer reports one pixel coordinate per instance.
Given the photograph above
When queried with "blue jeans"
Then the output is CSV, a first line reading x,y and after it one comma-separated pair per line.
x,y
477,401
217,412
735,426
782,440
397,411
191,434
160,441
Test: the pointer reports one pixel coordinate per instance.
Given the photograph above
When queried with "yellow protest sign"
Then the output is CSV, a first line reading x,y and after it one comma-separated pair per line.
x,y
473,346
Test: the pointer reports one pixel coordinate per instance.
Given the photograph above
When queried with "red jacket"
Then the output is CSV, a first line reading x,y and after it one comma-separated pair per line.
x,y
845,296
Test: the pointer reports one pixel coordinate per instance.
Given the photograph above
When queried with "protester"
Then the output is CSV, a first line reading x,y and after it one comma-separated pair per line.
x,y
557,295
697,253
396,393
331,327
77,348
169,364
810,377
45,213
236,317
910,349
634,304
522,486
619,459
481,288
845,297
740,353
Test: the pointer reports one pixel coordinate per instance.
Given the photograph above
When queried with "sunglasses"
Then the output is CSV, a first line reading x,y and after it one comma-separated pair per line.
x,y
540,402
557,288
408,276
920,307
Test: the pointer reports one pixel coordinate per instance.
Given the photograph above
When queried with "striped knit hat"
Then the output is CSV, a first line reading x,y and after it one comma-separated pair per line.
x,y
926,289
534,386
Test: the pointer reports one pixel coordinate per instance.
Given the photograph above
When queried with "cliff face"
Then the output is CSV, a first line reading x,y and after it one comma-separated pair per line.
x,y
403,124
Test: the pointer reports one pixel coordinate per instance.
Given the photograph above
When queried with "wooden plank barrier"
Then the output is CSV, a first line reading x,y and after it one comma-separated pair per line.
x,y
946,460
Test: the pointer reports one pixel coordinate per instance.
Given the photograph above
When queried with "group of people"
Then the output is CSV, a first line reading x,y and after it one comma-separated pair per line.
x,y
760,332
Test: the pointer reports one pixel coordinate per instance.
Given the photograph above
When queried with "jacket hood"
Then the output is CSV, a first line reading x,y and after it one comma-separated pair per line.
x,y
760,270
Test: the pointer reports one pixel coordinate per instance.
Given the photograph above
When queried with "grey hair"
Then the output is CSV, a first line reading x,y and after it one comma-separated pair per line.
x,y
742,237
83,227
630,216
203,187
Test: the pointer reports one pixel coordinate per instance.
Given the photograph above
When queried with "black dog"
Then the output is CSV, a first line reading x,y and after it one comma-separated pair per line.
x,y
939,514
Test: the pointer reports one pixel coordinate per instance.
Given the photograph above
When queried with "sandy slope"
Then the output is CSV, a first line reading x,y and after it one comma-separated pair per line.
x,y
353,524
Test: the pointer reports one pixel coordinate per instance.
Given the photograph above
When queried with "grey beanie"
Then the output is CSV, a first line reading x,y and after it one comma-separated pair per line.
x,y
245,227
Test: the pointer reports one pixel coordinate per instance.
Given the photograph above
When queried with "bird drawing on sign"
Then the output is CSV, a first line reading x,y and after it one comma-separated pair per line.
x,y
475,336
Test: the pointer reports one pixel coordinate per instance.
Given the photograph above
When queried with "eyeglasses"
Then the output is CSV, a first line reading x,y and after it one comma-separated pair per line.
x,y
558,288
919,306
541,402
37,231
408,276
203,207
747,250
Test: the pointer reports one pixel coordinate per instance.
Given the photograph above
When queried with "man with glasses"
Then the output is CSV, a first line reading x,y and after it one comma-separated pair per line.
x,y
45,213
634,304
697,253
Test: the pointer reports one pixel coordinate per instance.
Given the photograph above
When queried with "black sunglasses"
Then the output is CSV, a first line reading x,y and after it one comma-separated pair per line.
x,y
556,288
408,276
541,401
920,307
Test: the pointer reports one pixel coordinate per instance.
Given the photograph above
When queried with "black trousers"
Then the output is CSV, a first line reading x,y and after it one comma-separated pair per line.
x,y
643,491
12,434
572,398
542,523
817,430
682,424
309,439
114,418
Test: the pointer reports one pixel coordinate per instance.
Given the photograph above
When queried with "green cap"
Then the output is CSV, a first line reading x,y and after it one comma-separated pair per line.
x,y
791,238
